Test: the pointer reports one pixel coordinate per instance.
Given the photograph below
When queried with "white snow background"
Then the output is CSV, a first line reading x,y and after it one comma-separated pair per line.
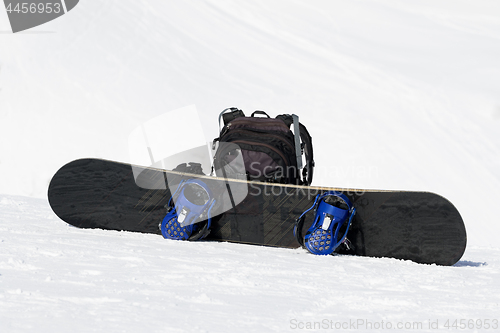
x,y
397,94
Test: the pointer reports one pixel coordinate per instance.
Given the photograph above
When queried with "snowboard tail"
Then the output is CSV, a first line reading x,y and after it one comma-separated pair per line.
x,y
419,226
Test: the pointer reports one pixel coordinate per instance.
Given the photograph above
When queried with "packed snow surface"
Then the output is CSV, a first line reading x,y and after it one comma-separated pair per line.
x,y
397,94
57,278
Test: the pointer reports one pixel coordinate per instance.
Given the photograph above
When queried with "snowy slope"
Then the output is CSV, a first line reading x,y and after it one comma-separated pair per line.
x,y
57,278
397,94
411,90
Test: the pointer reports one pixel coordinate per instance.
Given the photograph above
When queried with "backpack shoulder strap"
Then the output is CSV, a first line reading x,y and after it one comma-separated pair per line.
x,y
306,139
298,146
305,146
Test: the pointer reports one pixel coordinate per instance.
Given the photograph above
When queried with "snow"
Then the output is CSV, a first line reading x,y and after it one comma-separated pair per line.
x,y
396,94
57,278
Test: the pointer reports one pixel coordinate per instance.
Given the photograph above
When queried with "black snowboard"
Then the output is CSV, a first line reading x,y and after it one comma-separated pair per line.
x,y
418,226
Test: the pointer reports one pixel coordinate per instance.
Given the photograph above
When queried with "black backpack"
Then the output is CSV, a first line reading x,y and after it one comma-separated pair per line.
x,y
270,151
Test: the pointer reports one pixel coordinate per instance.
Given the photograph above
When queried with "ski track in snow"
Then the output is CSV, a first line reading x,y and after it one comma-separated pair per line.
x,y
57,278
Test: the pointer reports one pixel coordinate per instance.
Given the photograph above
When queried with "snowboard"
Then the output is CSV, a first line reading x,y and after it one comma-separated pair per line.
x,y
419,226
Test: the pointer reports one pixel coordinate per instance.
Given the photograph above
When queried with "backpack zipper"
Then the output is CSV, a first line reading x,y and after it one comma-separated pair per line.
x,y
281,138
265,122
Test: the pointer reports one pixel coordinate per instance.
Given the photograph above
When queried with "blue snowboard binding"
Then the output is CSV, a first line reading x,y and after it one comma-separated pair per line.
x,y
189,218
325,235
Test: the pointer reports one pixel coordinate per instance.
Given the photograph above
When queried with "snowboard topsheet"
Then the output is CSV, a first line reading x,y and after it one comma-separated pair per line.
x,y
419,226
